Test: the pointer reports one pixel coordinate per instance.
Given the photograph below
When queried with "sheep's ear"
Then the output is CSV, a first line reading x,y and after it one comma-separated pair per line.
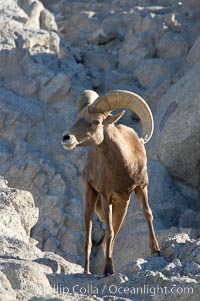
x,y
113,118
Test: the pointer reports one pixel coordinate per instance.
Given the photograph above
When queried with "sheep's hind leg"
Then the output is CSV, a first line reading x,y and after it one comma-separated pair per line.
x,y
119,214
142,195
89,198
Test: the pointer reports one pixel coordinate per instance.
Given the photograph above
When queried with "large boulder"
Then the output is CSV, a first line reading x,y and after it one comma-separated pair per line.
x,y
18,215
28,279
24,267
178,128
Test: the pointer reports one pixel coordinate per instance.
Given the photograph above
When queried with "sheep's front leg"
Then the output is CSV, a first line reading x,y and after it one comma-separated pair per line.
x,y
89,198
109,236
142,195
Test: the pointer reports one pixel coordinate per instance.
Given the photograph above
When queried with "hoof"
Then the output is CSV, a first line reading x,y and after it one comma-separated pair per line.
x,y
155,249
108,269
86,272
106,274
158,253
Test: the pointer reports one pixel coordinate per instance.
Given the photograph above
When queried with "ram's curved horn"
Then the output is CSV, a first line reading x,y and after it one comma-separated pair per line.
x,y
121,99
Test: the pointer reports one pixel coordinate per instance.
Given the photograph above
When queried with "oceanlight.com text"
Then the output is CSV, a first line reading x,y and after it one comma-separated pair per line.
x,y
119,290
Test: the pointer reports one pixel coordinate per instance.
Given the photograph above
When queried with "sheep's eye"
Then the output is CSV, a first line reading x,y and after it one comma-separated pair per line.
x,y
96,122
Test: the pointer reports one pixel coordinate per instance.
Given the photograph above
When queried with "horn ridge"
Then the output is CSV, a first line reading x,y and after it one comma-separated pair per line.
x,y
122,99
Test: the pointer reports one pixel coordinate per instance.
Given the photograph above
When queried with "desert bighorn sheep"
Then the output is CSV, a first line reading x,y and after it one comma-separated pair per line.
x,y
116,165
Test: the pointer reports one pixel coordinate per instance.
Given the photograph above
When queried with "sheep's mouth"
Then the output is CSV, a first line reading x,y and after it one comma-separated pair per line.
x,y
68,146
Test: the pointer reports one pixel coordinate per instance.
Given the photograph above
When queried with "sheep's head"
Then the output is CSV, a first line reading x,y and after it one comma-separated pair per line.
x,y
94,112
89,128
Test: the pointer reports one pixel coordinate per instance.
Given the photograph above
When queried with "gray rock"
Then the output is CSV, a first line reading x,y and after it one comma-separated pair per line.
x,y
18,211
178,142
10,221
193,55
171,251
55,90
135,47
172,45
34,9
24,205
3,182
191,8
97,61
6,290
162,69
158,88
103,36
47,20
27,278
190,217
58,264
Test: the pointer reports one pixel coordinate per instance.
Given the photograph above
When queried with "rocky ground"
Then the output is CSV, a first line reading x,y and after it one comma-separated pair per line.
x,y
27,273
49,52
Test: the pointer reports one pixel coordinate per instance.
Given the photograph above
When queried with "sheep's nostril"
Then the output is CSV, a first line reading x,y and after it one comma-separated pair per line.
x,y
66,137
